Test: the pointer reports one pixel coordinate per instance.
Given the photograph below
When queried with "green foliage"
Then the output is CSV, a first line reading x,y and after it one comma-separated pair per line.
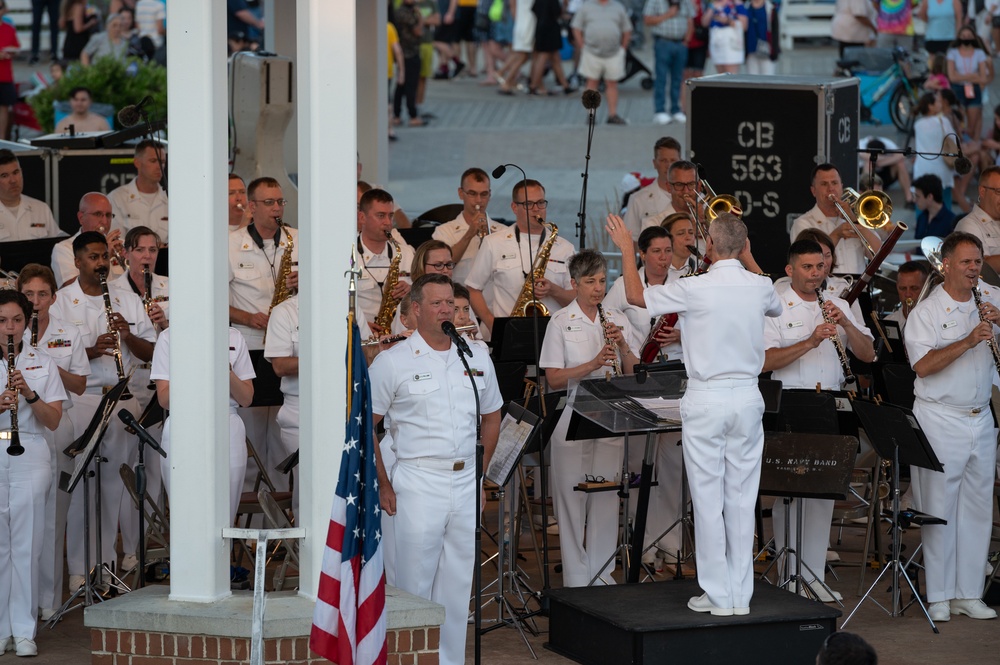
x,y
111,83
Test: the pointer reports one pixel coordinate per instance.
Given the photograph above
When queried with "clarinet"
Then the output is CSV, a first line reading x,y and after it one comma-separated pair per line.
x,y
34,329
845,364
109,315
14,448
992,341
616,366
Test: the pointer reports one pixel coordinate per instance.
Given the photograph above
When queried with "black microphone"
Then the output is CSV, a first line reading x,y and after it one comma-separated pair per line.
x,y
591,99
449,329
962,163
499,171
131,114
126,417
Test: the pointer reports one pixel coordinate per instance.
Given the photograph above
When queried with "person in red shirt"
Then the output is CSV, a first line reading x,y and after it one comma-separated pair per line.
x,y
9,46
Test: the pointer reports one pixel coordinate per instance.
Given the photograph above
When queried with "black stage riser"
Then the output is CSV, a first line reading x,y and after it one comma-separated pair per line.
x,y
650,623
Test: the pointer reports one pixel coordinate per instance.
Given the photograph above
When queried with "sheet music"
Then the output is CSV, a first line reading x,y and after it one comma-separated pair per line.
x,y
513,436
666,410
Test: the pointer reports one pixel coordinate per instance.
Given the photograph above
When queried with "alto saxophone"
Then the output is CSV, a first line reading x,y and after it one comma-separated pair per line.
x,y
387,308
109,315
281,290
526,302
616,365
14,448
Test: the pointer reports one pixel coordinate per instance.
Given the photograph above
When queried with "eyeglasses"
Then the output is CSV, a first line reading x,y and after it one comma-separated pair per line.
x,y
594,479
440,265
270,202
995,190
535,204
477,195
105,215
684,186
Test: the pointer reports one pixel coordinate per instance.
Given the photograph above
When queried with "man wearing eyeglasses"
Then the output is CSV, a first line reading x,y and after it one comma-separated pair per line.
x,y
94,214
827,187
376,254
984,220
505,260
648,206
142,202
462,233
21,216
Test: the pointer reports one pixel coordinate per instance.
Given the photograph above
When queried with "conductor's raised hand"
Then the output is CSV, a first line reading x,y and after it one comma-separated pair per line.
x,y
620,235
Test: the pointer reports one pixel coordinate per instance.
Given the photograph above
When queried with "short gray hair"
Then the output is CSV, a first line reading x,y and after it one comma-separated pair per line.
x,y
729,234
587,263
417,290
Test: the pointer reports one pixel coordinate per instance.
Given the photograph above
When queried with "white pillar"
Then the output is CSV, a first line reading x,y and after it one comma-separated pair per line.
x,y
327,224
199,299
281,40
373,110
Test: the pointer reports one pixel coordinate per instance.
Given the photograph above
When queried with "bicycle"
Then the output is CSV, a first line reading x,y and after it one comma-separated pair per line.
x,y
896,80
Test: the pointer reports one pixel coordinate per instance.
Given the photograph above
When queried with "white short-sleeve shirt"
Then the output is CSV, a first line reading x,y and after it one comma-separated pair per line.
x,y
252,274
42,375
283,339
61,343
30,220
133,208
981,225
571,338
239,359
647,207
452,232
850,252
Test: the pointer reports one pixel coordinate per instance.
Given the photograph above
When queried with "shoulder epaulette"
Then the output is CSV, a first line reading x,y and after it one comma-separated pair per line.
x,y
695,274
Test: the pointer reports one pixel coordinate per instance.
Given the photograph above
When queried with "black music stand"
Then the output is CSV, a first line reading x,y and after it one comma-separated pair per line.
x,y
512,338
804,466
896,435
85,450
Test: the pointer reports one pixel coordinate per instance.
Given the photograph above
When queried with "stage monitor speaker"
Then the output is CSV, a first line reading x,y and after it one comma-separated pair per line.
x,y
76,172
759,138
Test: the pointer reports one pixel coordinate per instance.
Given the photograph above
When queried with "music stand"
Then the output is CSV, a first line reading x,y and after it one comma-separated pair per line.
x,y
85,450
513,338
896,435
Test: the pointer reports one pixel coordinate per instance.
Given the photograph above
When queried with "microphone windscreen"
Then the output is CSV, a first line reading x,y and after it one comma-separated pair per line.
x,y
591,99
499,171
963,165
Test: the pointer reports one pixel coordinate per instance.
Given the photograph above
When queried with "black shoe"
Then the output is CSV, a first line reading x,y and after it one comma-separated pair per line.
x,y
459,66
441,75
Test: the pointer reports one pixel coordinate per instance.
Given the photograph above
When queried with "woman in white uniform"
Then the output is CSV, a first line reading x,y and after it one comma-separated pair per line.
x,y
241,375
34,389
574,349
61,342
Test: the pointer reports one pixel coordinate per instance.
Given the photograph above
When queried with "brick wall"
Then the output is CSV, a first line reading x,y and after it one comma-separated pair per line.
x,y
410,646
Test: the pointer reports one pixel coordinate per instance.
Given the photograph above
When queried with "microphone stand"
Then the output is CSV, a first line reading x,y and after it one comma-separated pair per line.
x,y
581,225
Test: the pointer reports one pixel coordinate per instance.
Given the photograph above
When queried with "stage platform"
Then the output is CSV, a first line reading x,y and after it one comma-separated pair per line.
x,y
650,623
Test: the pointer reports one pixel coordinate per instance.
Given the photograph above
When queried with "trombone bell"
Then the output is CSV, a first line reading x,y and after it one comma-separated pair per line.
x,y
721,204
872,207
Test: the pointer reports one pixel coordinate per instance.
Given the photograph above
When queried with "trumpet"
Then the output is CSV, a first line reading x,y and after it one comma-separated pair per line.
x,y
14,448
109,316
845,364
616,365
992,341
484,227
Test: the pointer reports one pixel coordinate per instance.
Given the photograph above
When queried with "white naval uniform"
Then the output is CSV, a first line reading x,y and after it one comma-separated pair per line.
x,y
132,208
452,232
664,498
896,316
30,220
953,408
835,287
647,207
430,410
374,271
572,339
504,263
74,307
721,413
283,342
979,224
139,384
239,359
64,264
24,483
820,365
851,257
61,342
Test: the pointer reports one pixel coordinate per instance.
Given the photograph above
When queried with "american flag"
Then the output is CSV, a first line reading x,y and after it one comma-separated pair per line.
x,y
349,619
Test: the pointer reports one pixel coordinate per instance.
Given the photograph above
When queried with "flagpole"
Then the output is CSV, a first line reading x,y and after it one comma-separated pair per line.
x,y
352,294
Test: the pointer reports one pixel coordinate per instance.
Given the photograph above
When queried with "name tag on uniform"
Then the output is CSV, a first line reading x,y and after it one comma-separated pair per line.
x,y
574,328
38,225
421,377
949,324
247,266
793,324
504,257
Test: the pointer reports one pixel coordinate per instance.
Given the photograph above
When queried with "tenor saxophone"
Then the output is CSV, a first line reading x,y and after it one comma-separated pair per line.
x,y
526,303
387,308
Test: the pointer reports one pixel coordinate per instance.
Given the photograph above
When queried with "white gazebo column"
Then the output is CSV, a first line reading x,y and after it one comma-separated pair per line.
x,y
327,225
199,300
373,110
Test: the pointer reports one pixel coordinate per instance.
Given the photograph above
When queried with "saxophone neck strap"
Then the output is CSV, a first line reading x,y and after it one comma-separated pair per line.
x,y
259,240
531,262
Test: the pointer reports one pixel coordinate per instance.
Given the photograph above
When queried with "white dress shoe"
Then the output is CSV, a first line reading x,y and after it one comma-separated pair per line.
x,y
46,613
741,611
662,118
25,647
680,117
703,604
75,582
129,561
6,644
940,611
822,594
972,607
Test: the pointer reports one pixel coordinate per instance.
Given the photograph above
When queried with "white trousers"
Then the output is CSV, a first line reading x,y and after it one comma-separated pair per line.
x,y
435,527
588,522
665,498
237,462
117,447
955,553
817,514
24,482
288,424
723,442
388,530
50,572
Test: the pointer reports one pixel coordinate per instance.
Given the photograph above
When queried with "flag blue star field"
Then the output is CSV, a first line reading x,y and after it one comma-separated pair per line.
x,y
349,619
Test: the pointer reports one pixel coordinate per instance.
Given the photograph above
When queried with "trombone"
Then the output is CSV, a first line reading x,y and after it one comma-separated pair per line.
x,y
872,209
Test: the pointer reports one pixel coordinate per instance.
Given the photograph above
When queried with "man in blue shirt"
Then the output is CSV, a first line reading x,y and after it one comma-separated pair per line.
x,y
934,218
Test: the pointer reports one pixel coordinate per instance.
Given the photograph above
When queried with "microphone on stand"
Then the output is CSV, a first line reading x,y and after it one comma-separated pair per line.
x,y
449,329
126,417
131,114
591,99
962,163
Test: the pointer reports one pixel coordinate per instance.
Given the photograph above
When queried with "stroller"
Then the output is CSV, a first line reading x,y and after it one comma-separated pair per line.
x,y
634,65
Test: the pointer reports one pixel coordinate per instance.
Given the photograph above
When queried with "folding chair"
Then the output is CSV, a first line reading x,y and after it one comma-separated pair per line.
x,y
157,536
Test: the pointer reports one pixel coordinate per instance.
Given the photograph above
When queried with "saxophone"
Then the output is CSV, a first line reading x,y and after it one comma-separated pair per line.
x,y
14,448
387,309
281,290
526,303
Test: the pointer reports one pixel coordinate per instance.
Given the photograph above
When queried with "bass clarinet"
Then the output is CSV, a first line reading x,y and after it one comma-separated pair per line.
x,y
845,363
